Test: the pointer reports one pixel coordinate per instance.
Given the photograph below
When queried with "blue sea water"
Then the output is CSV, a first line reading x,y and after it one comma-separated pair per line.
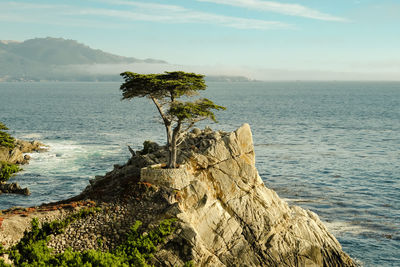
x,y
331,147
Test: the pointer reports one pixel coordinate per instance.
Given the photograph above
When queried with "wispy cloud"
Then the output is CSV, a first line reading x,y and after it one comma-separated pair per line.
x,y
54,14
178,14
188,17
282,8
131,11
144,5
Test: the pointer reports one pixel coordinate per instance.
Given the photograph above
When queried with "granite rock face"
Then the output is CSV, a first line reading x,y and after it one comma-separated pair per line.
x,y
226,215
16,156
230,218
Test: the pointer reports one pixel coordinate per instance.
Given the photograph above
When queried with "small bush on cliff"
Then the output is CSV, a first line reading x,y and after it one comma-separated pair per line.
x,y
149,147
6,140
3,264
7,170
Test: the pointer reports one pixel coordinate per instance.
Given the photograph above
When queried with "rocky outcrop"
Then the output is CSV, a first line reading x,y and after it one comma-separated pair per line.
x,y
226,215
13,188
16,155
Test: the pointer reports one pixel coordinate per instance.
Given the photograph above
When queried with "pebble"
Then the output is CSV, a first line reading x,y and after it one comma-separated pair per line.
x,y
109,225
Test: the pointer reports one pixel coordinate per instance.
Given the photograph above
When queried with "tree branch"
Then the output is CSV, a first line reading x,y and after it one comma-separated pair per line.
x,y
159,108
132,151
180,140
189,126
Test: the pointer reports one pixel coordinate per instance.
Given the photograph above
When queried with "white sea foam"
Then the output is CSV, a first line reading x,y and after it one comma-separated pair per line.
x,y
36,136
338,228
67,157
298,200
60,156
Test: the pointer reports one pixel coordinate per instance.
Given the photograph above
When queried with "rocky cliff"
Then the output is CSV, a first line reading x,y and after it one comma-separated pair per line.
x,y
226,215
16,155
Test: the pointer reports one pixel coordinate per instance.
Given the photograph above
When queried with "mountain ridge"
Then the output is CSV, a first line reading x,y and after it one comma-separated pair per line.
x,y
60,51
67,60
44,58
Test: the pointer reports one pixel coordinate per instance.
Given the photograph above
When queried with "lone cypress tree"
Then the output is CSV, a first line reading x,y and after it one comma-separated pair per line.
x,y
165,90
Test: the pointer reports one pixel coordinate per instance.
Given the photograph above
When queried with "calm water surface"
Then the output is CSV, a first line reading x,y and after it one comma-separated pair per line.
x,y
333,148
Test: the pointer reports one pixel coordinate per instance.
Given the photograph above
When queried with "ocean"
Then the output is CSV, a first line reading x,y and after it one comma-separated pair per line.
x,y
331,147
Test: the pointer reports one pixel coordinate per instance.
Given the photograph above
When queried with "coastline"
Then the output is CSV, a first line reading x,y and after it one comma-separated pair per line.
x,y
123,197
306,150
13,159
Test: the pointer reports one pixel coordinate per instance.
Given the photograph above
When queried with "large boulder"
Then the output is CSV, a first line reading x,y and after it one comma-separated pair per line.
x,y
230,218
13,188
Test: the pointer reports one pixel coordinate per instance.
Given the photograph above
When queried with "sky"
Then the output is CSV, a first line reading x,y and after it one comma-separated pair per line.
x,y
266,40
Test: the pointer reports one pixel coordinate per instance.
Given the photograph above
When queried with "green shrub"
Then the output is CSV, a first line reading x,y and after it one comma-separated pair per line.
x,y
32,248
7,170
3,264
86,258
5,139
149,147
189,264
138,248
2,250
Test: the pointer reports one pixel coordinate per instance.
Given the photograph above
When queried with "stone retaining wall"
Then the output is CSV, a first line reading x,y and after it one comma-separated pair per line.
x,y
173,178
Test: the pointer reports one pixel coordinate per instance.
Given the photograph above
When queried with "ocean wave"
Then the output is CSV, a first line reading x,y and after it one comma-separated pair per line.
x,y
36,136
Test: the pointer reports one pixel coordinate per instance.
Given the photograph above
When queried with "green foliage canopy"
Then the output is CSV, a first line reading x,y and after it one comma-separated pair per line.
x,y
193,111
3,127
169,84
5,139
7,170
165,90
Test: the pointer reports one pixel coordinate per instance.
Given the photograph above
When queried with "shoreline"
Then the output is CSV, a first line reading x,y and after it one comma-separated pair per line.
x,y
220,175
13,159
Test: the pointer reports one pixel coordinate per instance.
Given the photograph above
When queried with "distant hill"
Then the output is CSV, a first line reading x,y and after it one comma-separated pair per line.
x,y
43,58
58,59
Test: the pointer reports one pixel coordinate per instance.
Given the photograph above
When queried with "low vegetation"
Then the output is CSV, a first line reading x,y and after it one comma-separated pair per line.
x,y
7,170
138,248
6,140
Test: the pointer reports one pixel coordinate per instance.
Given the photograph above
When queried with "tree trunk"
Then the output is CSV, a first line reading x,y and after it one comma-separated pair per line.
x,y
173,146
167,122
169,133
